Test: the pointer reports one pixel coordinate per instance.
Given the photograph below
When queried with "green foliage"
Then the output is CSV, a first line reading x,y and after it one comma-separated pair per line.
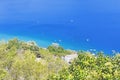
x,y
90,67
26,61
58,50
3,73
13,43
28,68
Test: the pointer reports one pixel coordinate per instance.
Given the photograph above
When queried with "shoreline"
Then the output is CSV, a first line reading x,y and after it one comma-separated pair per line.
x,y
45,43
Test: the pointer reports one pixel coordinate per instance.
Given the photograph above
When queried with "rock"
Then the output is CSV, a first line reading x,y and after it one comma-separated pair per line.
x,y
69,58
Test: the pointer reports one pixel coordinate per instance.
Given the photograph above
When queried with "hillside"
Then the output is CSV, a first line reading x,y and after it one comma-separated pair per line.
x,y
21,60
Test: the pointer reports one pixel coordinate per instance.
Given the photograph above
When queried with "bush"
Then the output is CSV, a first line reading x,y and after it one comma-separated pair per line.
x,y
90,67
22,61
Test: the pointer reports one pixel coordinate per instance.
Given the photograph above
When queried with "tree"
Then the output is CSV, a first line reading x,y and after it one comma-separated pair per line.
x,y
91,67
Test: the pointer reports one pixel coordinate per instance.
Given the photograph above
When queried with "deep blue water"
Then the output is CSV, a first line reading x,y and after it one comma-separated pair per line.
x,y
74,24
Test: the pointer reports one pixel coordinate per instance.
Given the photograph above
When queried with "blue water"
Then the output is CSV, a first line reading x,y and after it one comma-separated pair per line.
x,y
74,24
69,36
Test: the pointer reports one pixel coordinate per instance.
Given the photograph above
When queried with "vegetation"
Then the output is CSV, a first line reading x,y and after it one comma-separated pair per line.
x,y
58,50
91,67
26,61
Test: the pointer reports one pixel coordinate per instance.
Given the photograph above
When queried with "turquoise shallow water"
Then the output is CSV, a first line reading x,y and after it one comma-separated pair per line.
x,y
40,42
70,37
